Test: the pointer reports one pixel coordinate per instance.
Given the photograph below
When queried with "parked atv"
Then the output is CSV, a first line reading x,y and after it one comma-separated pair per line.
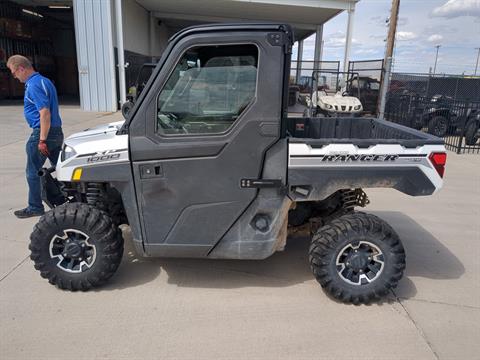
x,y
472,128
441,116
337,102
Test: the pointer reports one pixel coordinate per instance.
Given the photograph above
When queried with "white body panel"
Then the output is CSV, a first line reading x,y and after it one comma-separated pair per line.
x,y
304,156
93,146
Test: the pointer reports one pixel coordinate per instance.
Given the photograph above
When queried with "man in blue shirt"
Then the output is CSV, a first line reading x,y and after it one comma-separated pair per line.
x,y
41,113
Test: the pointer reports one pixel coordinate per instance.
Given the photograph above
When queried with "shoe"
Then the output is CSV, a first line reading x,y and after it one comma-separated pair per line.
x,y
26,213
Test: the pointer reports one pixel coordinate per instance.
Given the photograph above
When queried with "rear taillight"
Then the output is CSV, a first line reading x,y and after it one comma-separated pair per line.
x,y
438,161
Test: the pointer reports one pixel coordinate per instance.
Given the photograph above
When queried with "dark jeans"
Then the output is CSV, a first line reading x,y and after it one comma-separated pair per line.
x,y
35,161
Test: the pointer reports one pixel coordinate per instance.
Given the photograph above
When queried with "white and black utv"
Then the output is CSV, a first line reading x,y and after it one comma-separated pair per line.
x,y
209,165
341,99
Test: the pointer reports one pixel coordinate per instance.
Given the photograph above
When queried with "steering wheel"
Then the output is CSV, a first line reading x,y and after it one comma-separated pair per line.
x,y
170,121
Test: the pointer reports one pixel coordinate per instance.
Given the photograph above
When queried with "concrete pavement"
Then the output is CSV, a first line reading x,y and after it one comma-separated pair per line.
x,y
271,309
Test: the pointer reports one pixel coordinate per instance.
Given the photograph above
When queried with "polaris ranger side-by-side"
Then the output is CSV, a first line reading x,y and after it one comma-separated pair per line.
x,y
209,165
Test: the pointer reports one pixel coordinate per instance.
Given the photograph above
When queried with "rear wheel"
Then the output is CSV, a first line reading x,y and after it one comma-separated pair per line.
x,y
357,258
438,126
76,246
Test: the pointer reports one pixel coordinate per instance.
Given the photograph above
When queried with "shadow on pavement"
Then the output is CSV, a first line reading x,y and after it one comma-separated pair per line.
x,y
282,269
134,270
286,268
426,257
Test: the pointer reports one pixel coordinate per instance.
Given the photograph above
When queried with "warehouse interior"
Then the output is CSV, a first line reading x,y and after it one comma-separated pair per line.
x,y
45,33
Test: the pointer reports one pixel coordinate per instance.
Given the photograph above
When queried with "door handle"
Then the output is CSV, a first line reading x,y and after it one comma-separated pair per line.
x,y
149,171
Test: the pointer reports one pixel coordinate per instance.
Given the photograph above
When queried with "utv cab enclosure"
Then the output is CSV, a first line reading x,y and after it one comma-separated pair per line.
x,y
209,165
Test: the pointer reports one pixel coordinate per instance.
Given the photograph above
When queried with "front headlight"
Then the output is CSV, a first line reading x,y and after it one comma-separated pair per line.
x,y
328,106
357,107
67,153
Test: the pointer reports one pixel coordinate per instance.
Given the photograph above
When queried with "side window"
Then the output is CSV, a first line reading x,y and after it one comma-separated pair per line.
x,y
208,90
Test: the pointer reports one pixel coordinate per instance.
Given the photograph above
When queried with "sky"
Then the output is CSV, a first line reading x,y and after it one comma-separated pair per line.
x,y
452,24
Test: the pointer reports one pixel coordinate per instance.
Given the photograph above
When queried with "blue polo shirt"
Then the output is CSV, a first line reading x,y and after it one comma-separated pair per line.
x,y
40,93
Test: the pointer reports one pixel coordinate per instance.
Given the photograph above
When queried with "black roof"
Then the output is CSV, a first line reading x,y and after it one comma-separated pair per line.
x,y
234,27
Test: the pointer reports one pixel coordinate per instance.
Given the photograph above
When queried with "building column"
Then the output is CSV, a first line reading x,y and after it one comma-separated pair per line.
x,y
151,32
299,61
317,57
348,40
121,58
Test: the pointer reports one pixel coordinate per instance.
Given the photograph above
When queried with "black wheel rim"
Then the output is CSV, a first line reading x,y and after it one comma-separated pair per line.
x,y
73,251
360,263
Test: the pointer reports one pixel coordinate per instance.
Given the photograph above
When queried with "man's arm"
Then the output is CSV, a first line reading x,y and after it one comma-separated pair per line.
x,y
44,123
44,129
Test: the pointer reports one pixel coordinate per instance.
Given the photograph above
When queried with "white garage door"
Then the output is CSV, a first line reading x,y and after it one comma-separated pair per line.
x,y
96,65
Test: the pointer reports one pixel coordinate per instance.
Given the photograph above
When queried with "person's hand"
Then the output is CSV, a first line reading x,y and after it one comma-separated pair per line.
x,y
43,148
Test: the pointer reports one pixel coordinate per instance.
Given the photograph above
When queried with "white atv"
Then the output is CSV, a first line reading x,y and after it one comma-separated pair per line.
x,y
326,102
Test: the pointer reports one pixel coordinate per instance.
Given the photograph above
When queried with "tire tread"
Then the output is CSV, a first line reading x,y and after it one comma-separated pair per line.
x,y
108,240
326,239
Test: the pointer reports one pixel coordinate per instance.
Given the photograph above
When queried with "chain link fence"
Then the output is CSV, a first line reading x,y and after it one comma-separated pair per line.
x,y
455,87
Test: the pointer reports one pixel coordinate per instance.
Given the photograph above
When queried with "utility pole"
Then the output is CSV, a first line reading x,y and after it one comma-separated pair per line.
x,y
392,30
436,57
478,55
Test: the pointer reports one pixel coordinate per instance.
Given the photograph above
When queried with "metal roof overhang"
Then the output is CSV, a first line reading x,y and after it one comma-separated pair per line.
x,y
303,15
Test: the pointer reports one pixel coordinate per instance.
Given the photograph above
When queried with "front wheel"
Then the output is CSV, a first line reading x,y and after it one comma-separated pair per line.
x,y
76,247
357,258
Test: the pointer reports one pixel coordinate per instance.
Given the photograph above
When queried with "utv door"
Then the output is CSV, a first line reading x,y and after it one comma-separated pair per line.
x,y
204,124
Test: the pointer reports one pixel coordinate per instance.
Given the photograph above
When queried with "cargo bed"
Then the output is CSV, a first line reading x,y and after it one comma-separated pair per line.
x,y
330,154
362,132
